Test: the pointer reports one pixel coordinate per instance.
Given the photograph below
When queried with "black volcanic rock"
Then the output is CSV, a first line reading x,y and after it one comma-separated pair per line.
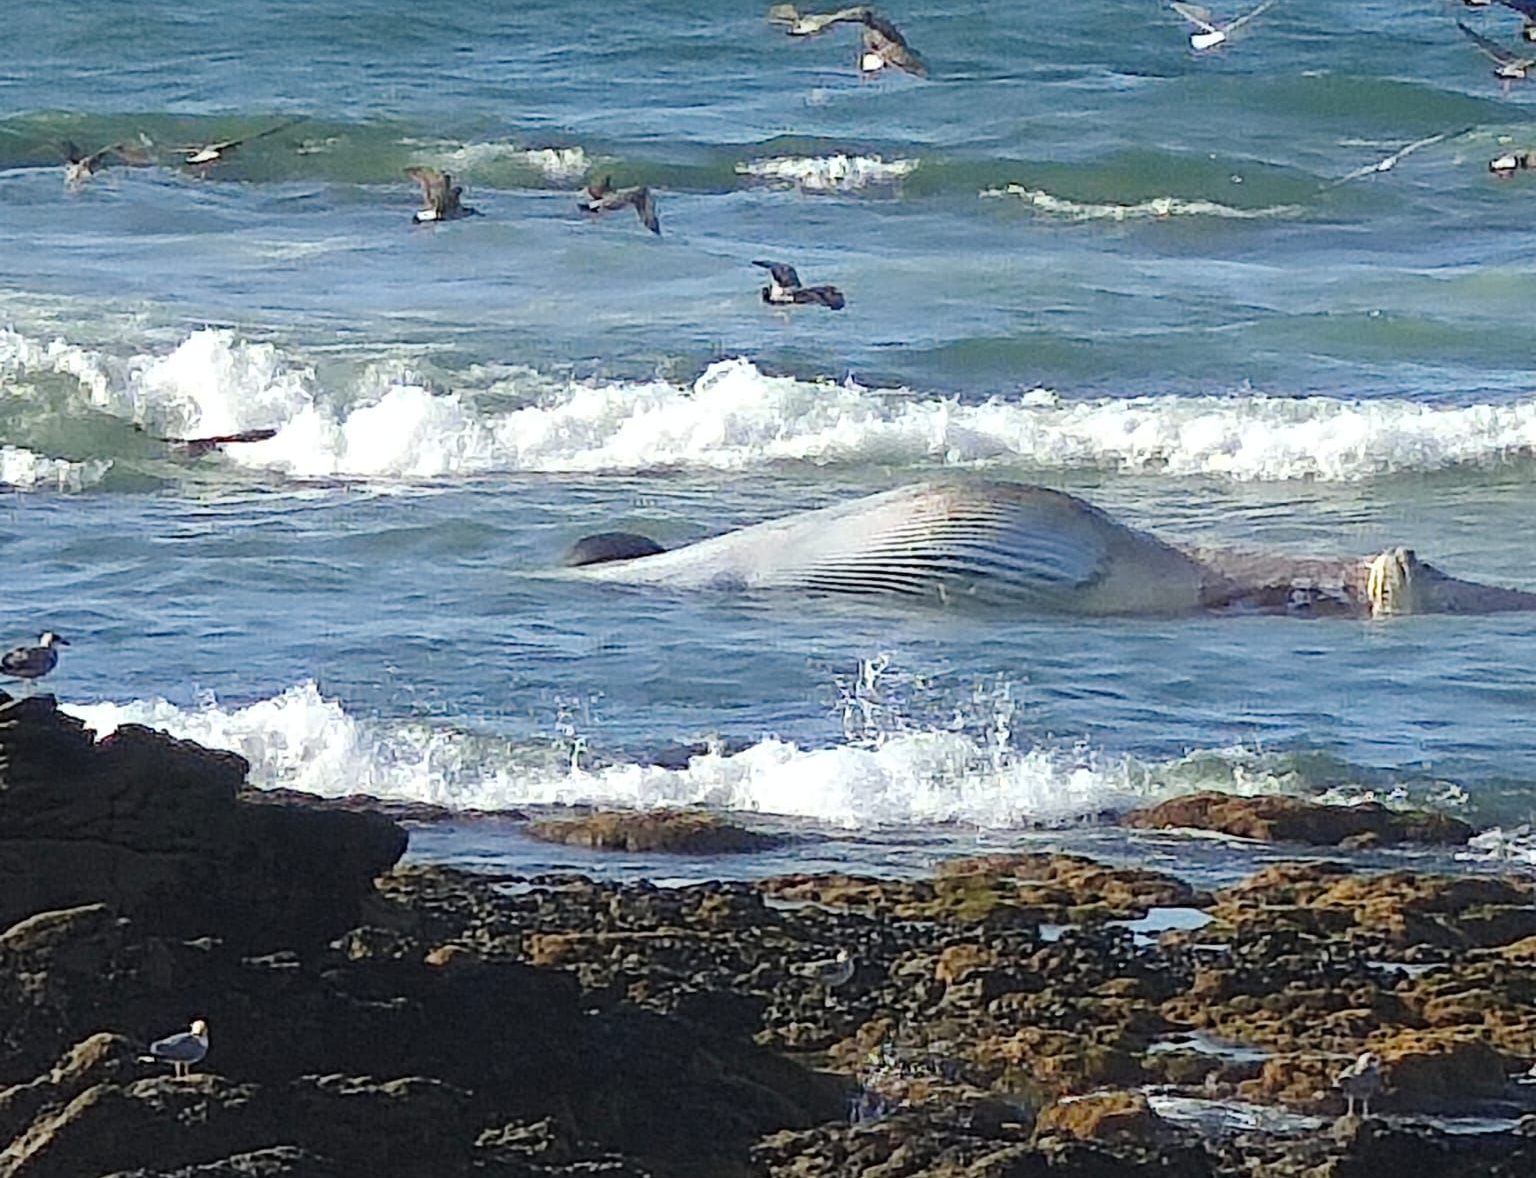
x,y
151,826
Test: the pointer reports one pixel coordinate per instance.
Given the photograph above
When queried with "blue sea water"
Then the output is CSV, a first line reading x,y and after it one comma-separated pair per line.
x,y
1078,254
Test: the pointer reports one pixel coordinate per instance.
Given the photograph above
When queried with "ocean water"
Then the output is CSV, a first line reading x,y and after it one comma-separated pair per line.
x,y
1079,254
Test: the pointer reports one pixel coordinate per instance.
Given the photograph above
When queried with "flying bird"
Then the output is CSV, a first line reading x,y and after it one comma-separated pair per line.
x,y
180,1051
881,45
602,197
33,662
784,288
201,155
1208,34
1360,1080
1509,65
80,166
1387,163
439,197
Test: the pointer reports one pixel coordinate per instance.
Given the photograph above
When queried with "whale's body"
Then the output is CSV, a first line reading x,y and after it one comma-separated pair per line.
x,y
1036,549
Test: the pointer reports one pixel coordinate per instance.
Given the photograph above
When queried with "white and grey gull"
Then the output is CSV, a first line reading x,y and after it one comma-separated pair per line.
x,y
182,1050
33,662
1360,1081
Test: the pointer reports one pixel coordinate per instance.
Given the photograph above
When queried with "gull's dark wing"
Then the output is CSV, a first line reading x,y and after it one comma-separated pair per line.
x,y
1526,8
1492,48
783,273
72,151
827,296
645,209
882,37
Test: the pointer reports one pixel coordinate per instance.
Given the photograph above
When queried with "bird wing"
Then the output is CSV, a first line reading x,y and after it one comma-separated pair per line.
x,y
1248,16
19,659
812,23
1526,8
827,296
783,14
1492,48
283,126
645,208
72,152
893,49
434,185
783,273
183,1048
1195,15
134,155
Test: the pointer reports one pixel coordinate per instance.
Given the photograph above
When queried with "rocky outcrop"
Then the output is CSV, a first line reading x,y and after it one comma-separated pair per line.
x,y
683,832
1275,818
151,825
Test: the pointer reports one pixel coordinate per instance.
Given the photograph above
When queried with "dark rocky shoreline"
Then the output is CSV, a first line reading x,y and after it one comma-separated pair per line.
x,y
1001,1020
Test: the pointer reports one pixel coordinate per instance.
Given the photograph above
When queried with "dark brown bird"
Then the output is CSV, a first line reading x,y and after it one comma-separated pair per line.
x,y
440,197
602,197
32,662
80,167
784,288
881,44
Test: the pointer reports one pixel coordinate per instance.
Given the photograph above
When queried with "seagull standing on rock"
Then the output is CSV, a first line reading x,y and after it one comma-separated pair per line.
x,y
1360,1080
33,662
830,972
180,1051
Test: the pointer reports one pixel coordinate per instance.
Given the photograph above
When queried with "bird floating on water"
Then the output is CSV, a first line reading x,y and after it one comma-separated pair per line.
x,y
1208,34
1387,163
33,662
784,288
882,43
1511,162
439,196
602,197
80,166
1360,1080
1508,65
204,154
181,1051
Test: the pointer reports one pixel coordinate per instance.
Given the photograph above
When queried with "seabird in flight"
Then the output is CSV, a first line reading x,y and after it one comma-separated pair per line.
x,y
1208,34
1387,163
80,167
602,197
201,155
882,43
1510,66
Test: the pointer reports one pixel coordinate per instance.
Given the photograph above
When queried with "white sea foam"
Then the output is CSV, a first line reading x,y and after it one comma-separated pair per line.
x,y
1154,208
555,163
828,173
890,769
386,425
21,469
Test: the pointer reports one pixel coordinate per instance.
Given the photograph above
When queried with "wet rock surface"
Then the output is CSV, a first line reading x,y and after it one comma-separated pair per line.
x,y
680,832
1275,818
1003,1017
